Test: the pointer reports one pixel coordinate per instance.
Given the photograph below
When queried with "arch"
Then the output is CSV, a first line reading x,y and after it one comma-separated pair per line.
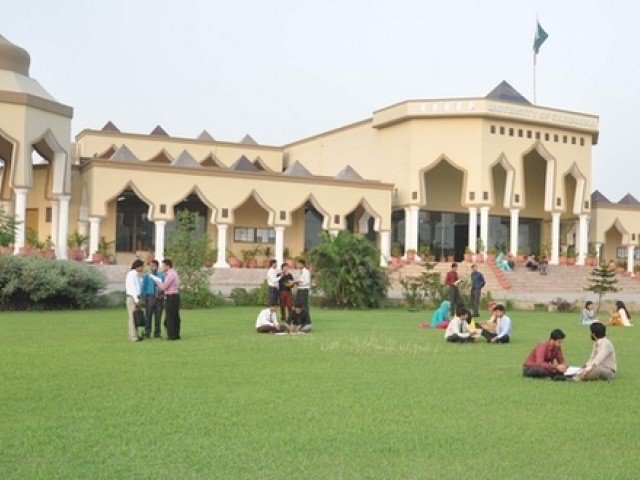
x,y
196,190
435,164
8,155
503,162
367,208
260,201
59,161
130,185
550,171
581,182
326,218
162,157
613,237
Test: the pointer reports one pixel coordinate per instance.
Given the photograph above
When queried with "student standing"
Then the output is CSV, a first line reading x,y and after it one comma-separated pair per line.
x,y
153,300
285,282
272,282
477,283
132,290
171,288
304,284
452,281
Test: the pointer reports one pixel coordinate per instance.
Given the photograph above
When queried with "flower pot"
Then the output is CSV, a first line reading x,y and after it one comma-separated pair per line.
x,y
491,258
6,250
571,260
562,260
49,253
234,262
76,254
468,257
479,258
519,259
411,257
253,263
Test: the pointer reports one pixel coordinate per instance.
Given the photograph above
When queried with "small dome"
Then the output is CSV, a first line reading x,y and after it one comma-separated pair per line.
x,y
13,58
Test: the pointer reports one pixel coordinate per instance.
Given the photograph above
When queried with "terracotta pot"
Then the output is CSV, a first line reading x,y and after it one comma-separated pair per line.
x,y
491,257
6,251
468,257
29,251
519,259
571,260
562,260
76,254
479,258
234,262
253,263
411,257
49,253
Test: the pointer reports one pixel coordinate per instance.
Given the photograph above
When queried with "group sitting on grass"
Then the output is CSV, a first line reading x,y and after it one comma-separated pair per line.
x,y
620,316
463,329
297,322
546,360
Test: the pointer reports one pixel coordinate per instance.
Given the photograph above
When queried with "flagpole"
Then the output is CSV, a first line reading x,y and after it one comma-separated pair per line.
x,y
534,79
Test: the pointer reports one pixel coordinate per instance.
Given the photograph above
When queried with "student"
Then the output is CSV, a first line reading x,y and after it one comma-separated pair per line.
x,y
267,322
477,283
285,282
440,318
453,281
272,281
298,321
503,330
133,301
546,359
171,287
304,284
602,363
587,314
620,317
153,300
458,329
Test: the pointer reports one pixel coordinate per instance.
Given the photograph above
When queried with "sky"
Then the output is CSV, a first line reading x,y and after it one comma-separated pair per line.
x,y
282,70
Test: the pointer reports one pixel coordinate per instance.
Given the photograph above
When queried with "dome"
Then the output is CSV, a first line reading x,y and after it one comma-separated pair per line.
x,y
13,57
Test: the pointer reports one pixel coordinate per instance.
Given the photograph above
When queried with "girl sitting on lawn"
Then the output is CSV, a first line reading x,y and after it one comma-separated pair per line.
x,y
620,317
440,317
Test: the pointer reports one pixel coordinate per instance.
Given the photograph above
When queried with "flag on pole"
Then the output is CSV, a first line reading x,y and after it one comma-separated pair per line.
x,y
539,39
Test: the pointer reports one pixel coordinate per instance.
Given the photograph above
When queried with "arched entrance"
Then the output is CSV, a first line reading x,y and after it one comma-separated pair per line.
x,y
134,231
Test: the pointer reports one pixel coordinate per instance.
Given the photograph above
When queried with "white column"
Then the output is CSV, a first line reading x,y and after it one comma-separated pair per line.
x,y
513,230
598,248
555,238
484,228
334,232
159,240
94,236
583,239
63,229
83,228
20,211
385,247
55,225
473,228
407,230
630,253
279,246
222,246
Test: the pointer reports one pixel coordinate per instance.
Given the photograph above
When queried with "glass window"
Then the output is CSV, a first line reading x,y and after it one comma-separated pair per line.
x,y
134,230
243,234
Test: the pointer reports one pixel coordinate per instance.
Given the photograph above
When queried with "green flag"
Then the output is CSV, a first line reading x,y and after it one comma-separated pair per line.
x,y
539,39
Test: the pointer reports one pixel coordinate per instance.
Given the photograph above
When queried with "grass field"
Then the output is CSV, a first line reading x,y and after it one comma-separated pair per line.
x,y
369,395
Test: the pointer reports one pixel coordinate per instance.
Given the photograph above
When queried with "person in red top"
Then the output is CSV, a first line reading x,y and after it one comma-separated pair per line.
x,y
452,281
540,362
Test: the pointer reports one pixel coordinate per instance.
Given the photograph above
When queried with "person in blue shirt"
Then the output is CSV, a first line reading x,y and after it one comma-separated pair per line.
x,y
477,283
503,330
153,299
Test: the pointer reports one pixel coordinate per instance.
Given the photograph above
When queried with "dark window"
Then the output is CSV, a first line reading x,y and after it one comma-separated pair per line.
x,y
546,137
558,201
573,140
582,142
511,132
472,195
516,198
283,215
414,195
48,213
492,129
485,195
225,213
555,137
501,130
537,135
586,205
529,133
163,208
134,230
336,219
564,139
520,132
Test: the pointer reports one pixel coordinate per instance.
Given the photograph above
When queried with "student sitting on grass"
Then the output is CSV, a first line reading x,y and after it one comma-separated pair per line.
x,y
440,317
602,363
298,321
458,329
588,314
546,359
267,322
503,329
620,317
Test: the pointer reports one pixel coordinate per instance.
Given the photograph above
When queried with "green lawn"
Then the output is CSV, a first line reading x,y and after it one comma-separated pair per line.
x,y
368,395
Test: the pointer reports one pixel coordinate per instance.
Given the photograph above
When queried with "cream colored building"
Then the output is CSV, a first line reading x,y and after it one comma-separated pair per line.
x,y
483,172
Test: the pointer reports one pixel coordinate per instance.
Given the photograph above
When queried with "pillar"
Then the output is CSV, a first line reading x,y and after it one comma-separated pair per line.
x,y
484,229
411,228
20,211
334,232
583,239
279,246
55,226
598,248
555,238
385,247
94,236
473,229
159,240
407,230
63,228
514,228
630,254
221,262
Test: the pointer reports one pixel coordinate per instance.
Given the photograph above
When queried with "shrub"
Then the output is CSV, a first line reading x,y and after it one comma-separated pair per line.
x,y
200,298
40,283
255,296
348,272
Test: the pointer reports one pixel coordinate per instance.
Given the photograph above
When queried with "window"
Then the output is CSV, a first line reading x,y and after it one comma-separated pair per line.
x,y
134,230
501,130
529,133
537,135
511,132
546,137
564,139
582,142
254,235
520,132
492,129
555,137
48,213
573,140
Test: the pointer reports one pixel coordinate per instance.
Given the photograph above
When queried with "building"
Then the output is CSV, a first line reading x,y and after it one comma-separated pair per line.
x,y
446,174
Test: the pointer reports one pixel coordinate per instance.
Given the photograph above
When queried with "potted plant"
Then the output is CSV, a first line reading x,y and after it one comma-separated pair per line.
x,y
8,225
286,253
491,254
33,245
520,255
232,260
411,255
571,255
396,254
246,256
47,248
103,254
591,260
267,252
76,242
468,254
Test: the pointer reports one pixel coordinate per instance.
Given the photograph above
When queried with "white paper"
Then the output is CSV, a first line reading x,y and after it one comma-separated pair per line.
x,y
571,371
154,278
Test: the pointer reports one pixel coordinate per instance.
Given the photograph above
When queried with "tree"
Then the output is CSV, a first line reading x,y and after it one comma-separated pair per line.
x,y
347,271
8,225
601,281
190,252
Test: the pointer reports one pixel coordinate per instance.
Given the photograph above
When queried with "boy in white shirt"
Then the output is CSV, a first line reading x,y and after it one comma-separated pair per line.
x,y
267,322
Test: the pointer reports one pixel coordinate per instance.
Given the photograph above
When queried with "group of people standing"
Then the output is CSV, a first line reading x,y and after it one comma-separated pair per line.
x,y
152,293
295,318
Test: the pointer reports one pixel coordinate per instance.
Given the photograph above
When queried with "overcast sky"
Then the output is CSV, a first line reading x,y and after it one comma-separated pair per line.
x,y
285,69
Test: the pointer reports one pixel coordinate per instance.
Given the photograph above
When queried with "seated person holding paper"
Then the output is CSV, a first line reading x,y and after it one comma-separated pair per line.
x,y
503,327
602,364
546,359
458,329
267,322
298,321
